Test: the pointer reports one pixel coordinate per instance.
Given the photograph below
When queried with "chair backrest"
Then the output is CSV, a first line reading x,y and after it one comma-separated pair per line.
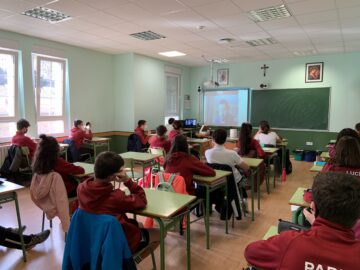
x,y
26,152
96,241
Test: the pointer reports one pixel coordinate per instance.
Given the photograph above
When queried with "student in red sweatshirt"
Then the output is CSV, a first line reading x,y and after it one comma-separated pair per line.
x,y
21,140
342,133
49,149
160,140
330,243
140,131
79,133
176,130
347,157
98,196
180,161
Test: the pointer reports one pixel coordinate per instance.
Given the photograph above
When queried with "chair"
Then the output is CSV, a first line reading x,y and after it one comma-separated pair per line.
x,y
158,151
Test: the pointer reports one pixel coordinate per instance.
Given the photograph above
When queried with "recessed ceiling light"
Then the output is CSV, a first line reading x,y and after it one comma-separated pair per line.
x,y
46,14
305,53
261,42
172,54
269,13
147,35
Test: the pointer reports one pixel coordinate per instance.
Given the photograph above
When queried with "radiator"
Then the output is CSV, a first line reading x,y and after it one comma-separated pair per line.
x,y
3,153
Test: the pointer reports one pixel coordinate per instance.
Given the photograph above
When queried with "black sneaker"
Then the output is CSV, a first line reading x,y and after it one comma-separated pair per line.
x,y
37,239
16,230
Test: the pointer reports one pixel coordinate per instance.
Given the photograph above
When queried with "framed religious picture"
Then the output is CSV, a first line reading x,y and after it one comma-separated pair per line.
x,y
223,76
314,72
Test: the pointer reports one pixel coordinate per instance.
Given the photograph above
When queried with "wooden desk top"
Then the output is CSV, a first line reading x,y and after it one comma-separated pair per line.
x,y
297,198
99,139
139,156
89,168
325,155
208,180
195,140
270,150
162,204
253,162
8,187
316,168
273,230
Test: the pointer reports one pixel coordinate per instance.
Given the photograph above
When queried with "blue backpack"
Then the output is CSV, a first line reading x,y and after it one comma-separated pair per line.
x,y
134,143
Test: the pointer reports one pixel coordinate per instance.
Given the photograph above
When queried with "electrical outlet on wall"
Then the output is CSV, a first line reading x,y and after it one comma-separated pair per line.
x,y
309,143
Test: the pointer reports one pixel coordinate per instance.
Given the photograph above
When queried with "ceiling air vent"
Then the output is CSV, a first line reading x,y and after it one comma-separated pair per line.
x,y
269,13
46,14
261,42
147,35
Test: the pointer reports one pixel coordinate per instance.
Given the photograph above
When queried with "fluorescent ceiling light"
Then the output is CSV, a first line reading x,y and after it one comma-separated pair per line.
x,y
269,13
147,35
305,53
172,54
261,42
46,14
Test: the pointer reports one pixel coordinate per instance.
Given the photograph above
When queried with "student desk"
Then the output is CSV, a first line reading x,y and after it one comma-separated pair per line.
x,y
272,231
254,164
8,194
270,154
168,209
283,146
325,155
96,143
297,200
316,168
145,160
63,149
212,183
204,144
89,169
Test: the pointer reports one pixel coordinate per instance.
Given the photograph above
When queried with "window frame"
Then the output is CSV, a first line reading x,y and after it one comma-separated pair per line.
x,y
12,119
178,94
39,118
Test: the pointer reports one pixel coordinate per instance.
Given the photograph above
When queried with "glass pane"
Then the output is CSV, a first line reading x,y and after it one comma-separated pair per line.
x,y
7,130
51,88
172,95
51,127
7,85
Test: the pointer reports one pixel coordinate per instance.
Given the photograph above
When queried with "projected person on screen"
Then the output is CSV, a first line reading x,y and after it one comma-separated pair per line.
x,y
224,117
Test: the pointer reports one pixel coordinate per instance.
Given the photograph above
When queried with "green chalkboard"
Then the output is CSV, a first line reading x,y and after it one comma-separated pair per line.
x,y
306,108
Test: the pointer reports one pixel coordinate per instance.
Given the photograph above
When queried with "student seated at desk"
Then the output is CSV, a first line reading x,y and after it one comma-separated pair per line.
x,y
176,130
21,140
265,136
329,244
79,134
48,151
9,237
140,131
179,160
98,196
342,133
160,140
347,157
169,126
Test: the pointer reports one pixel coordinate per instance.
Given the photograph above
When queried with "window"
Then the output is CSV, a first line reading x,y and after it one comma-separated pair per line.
x,y
172,106
8,94
49,81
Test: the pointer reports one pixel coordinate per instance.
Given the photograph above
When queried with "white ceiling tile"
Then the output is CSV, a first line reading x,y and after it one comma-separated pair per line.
x,y
310,6
348,13
218,9
215,35
71,8
130,12
16,6
160,6
256,35
256,4
278,24
244,29
127,28
332,26
331,50
290,31
317,17
194,3
102,18
76,23
347,3
104,4
5,14
233,20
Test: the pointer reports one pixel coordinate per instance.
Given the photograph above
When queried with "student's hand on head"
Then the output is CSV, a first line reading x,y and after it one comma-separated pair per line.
x,y
309,215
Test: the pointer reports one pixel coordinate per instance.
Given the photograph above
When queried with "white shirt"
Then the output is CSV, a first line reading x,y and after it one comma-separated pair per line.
x,y
169,128
269,138
220,155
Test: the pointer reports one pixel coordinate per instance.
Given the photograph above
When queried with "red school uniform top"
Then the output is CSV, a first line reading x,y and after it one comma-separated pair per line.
x,y
78,136
326,245
254,147
187,165
65,169
160,142
141,133
329,167
21,140
102,198
173,133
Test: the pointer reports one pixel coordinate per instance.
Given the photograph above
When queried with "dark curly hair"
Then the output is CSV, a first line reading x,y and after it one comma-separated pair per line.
x,y
46,155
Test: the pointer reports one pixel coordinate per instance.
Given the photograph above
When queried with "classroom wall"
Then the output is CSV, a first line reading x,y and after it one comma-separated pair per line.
x,y
90,75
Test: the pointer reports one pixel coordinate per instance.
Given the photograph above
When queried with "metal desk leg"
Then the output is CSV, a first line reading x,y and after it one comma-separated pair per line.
x,y
252,197
258,187
227,209
283,157
207,213
268,169
162,243
188,255
20,226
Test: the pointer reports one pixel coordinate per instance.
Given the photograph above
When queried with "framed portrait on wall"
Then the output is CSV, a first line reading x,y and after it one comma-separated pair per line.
x,y
314,72
223,76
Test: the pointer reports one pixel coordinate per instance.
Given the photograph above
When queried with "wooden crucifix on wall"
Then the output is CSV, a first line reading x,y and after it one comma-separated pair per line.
x,y
264,67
